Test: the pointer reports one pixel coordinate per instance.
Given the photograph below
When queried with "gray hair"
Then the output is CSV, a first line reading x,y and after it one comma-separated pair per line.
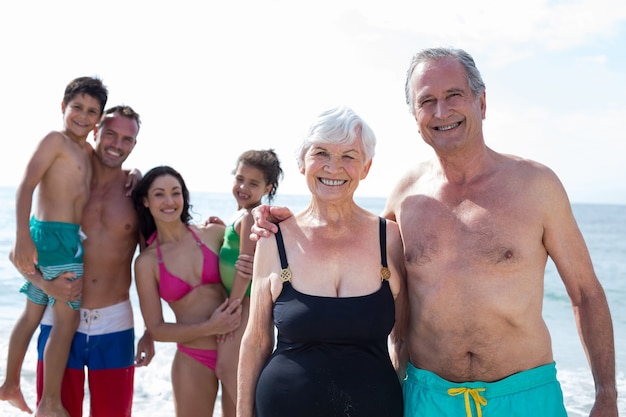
x,y
339,125
474,79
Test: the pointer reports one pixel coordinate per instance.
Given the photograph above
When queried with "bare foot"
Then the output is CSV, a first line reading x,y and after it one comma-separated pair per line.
x,y
47,410
15,397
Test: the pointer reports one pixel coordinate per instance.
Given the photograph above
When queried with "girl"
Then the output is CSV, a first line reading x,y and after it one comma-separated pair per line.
x,y
256,175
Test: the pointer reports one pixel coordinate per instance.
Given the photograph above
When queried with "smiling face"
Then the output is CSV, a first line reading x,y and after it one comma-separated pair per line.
x,y
249,186
115,139
80,116
165,199
334,170
446,111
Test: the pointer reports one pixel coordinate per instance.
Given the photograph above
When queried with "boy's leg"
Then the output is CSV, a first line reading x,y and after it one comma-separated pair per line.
x,y
56,354
73,386
18,345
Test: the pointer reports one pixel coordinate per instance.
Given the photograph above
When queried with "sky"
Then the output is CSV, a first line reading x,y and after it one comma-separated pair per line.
x,y
213,79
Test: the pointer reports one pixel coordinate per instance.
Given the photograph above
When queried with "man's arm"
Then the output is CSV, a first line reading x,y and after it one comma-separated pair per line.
x,y
132,179
265,218
64,288
595,327
567,248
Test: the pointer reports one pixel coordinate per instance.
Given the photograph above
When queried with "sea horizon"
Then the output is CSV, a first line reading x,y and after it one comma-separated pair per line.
x,y
602,225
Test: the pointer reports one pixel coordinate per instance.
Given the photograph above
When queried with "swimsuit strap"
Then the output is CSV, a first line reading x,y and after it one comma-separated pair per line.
x,y
155,237
195,236
385,274
240,213
285,272
158,247
382,234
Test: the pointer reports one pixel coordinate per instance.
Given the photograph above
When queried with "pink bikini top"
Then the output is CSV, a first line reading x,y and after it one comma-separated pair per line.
x,y
173,288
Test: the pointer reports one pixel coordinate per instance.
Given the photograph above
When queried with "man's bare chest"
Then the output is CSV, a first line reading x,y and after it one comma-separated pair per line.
x,y
108,213
469,232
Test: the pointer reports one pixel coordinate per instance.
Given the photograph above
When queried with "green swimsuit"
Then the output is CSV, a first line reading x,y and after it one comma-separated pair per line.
x,y
229,253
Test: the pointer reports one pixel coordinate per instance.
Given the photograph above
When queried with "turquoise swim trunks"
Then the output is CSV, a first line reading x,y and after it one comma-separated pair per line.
x,y
59,249
535,392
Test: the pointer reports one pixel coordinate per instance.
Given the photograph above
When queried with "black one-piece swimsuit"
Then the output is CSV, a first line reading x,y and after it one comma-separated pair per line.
x,y
331,357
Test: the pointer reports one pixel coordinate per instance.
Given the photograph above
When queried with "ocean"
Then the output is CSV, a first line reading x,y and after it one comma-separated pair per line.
x,y
604,228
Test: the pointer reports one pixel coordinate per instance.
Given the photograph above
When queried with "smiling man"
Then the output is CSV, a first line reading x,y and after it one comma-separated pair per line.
x,y
104,341
478,227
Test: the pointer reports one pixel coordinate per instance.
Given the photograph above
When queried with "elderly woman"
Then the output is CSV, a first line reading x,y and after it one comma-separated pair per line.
x,y
180,265
328,281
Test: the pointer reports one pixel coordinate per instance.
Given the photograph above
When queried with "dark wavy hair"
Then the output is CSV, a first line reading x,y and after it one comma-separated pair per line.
x,y
147,225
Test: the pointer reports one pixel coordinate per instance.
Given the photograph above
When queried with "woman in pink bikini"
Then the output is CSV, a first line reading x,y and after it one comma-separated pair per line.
x,y
181,266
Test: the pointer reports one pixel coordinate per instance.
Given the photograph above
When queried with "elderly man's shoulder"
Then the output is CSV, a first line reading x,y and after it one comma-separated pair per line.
x,y
412,175
405,186
526,167
532,177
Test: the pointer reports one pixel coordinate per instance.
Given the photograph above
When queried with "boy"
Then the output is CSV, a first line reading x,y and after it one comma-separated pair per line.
x,y
60,169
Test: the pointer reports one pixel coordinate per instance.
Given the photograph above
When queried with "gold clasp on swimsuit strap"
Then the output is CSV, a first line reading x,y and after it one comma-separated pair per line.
x,y
285,275
475,393
385,273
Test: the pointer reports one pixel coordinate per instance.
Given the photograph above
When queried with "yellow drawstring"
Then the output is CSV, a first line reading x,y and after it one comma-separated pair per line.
x,y
474,392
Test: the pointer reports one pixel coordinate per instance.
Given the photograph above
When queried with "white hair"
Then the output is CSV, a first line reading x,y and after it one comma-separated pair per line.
x,y
340,125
